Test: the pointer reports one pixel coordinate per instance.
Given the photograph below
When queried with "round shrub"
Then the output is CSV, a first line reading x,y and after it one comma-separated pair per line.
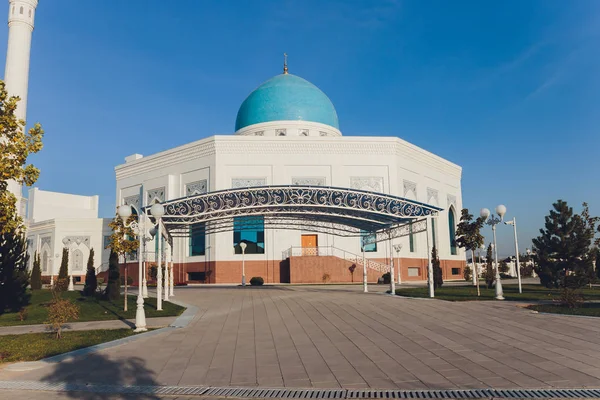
x,y
257,281
386,278
129,280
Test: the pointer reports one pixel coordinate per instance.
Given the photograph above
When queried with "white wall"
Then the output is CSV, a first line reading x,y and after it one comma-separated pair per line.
x,y
44,205
386,164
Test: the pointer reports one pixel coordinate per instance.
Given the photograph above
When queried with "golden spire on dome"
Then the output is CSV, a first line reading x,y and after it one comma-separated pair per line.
x,y
285,69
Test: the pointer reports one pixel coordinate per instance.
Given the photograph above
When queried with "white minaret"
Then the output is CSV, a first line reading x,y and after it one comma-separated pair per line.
x,y
21,14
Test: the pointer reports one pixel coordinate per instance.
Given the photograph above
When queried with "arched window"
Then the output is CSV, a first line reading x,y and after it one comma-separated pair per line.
x,y
452,229
45,261
29,13
21,10
13,9
77,260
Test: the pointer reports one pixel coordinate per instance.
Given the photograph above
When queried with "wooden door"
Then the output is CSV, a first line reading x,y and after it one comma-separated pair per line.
x,y
310,244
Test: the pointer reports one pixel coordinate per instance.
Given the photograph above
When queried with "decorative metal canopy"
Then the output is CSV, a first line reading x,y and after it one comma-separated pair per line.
x,y
339,211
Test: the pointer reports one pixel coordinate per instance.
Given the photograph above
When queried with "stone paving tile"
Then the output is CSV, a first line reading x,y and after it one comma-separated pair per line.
x,y
329,337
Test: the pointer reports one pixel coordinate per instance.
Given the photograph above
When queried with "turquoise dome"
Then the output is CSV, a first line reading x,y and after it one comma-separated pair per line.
x,y
286,97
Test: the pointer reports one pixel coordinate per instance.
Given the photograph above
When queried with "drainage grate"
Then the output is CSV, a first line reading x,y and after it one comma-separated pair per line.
x,y
274,393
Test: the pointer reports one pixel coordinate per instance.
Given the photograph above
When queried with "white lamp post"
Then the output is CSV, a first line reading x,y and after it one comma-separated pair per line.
x,y
158,210
364,263
392,277
125,212
66,243
493,221
243,246
514,224
398,248
530,254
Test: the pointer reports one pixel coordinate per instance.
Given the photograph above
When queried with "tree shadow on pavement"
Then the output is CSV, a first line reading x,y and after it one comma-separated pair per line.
x,y
95,377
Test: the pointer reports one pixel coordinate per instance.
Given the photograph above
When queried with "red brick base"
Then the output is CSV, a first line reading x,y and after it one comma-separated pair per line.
x,y
305,269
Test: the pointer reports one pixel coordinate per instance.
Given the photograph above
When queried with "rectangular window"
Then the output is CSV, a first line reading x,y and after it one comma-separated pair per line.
x,y
411,239
455,271
106,241
250,230
197,240
413,271
370,247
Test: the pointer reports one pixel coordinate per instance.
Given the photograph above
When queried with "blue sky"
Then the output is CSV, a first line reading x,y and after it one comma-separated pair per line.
x,y
508,90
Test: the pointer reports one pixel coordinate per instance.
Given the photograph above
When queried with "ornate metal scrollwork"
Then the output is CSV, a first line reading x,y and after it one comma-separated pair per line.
x,y
326,208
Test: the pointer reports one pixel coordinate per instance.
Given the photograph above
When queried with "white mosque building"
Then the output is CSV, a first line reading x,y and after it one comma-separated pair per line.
x,y
287,133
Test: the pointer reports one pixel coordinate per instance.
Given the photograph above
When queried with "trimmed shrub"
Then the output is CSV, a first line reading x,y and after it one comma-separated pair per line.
x,y
129,280
62,283
36,273
257,281
467,274
91,282
387,278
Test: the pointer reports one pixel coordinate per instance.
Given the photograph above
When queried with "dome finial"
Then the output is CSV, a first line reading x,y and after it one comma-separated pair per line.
x,y
285,69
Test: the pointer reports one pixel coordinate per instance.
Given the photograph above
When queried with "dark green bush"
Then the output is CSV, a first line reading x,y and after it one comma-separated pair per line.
x,y
129,280
386,278
257,281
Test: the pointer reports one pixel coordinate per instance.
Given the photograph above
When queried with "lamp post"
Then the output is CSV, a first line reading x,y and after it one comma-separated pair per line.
x,y
513,222
392,277
66,243
125,212
158,210
398,248
493,221
243,246
364,263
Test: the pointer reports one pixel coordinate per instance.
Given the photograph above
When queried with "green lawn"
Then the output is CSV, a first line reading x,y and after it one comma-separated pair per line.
x,y
587,309
511,292
35,346
91,309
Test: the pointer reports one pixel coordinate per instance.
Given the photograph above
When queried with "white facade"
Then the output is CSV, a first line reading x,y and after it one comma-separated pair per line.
x,y
380,164
21,17
58,218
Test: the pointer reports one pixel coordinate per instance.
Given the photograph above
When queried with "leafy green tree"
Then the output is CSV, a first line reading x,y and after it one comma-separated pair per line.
x,y
15,146
469,237
36,273
489,268
14,277
91,282
526,267
122,241
564,254
467,273
113,287
438,278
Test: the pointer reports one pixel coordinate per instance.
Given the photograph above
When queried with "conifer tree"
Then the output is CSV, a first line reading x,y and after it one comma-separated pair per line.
x,y
36,273
14,277
91,283
438,278
113,287
62,283
489,268
563,251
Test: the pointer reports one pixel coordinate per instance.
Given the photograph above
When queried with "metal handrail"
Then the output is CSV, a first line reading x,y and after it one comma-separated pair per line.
x,y
298,251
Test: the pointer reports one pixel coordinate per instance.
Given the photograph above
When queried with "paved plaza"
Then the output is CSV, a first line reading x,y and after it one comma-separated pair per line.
x,y
338,337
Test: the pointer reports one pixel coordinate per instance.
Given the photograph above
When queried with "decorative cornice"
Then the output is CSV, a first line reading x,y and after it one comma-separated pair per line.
x,y
236,144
